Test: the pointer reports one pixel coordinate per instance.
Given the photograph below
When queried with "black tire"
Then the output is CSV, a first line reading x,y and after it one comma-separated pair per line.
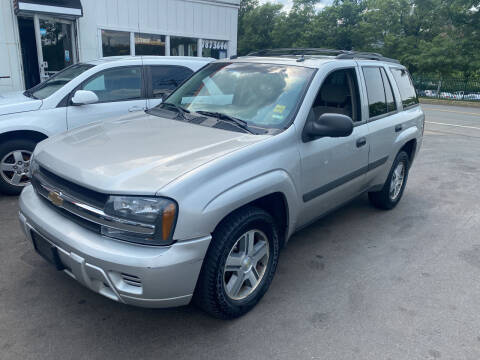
x,y
382,199
210,294
7,147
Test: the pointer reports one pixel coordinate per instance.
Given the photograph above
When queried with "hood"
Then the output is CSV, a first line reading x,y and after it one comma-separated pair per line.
x,y
136,154
15,102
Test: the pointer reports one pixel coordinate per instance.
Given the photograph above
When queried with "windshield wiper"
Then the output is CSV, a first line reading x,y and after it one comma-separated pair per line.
x,y
179,109
242,124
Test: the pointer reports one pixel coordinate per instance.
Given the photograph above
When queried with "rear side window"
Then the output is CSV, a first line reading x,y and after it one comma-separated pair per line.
x,y
377,104
164,79
405,86
391,104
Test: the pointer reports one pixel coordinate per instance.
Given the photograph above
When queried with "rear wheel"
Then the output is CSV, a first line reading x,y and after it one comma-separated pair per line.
x,y
239,265
392,190
15,165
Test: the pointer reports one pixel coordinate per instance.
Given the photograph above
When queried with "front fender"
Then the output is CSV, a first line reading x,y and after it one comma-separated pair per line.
x,y
234,197
48,122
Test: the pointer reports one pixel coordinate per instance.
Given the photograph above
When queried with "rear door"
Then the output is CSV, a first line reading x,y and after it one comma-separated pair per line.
x,y
162,80
120,90
384,118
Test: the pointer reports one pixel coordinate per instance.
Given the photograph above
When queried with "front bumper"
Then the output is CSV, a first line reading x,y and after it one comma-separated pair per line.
x,y
133,274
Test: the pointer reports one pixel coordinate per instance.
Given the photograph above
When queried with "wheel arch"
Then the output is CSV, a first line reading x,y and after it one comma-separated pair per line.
x,y
23,134
273,191
410,148
276,205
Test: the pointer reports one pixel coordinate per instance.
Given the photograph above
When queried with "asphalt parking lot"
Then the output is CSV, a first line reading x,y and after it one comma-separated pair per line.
x,y
358,284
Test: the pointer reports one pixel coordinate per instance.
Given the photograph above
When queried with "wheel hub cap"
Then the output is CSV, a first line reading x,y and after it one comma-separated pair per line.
x,y
246,264
15,167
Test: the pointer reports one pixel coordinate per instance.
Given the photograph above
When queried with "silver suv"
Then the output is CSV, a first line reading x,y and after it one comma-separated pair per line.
x,y
195,198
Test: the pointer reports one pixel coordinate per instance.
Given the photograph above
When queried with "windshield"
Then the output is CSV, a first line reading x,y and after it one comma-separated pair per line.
x,y
263,95
55,82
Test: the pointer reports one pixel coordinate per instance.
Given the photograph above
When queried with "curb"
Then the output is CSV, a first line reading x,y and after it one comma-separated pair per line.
x,y
450,102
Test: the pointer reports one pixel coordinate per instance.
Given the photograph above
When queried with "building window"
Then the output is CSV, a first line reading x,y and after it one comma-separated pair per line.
x,y
149,44
183,46
214,48
115,43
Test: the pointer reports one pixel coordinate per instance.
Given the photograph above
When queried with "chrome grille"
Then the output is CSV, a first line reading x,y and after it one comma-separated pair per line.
x,y
82,205
87,196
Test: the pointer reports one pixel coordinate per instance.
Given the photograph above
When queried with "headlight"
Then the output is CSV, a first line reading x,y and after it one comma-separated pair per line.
x,y
145,220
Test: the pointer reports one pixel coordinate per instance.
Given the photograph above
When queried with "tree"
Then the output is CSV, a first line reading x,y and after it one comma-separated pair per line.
x,y
256,26
435,37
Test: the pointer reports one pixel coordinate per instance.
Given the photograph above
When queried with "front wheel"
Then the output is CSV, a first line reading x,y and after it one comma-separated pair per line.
x,y
239,265
15,165
392,190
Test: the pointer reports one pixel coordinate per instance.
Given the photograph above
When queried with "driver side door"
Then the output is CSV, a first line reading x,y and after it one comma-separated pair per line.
x,y
120,90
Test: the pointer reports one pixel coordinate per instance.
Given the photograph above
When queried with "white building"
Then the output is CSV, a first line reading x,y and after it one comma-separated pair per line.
x,y
41,37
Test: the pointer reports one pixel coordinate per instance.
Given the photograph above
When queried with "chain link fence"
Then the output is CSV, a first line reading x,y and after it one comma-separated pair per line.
x,y
449,89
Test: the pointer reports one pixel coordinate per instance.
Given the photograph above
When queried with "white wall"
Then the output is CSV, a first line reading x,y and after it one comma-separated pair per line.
x,y
10,55
192,18
205,19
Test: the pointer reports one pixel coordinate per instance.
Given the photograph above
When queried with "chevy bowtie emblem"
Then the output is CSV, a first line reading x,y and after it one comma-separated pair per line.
x,y
55,198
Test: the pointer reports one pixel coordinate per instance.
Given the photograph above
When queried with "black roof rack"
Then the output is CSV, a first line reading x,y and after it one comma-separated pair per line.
x,y
366,56
339,54
296,51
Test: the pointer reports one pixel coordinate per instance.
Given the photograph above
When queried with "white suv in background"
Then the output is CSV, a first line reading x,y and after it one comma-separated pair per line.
x,y
78,95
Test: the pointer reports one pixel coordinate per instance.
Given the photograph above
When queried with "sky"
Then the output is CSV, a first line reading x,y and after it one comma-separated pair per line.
x,y
287,4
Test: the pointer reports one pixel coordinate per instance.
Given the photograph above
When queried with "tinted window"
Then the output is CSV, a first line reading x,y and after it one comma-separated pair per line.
x,y
391,105
405,86
115,43
149,44
183,46
377,104
166,78
116,84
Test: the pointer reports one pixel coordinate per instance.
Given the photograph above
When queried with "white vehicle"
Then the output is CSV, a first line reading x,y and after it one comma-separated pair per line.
x,y
78,95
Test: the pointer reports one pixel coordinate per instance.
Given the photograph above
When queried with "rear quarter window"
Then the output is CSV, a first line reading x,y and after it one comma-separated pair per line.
x,y
405,86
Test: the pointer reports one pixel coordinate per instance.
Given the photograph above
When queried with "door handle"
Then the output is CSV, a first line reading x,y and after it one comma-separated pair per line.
x,y
136,108
398,127
361,142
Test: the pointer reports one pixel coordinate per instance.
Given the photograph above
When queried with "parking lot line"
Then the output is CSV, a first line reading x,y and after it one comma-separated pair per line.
x,y
460,126
452,111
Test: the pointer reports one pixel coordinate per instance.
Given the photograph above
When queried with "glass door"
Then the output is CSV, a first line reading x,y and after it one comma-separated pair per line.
x,y
57,44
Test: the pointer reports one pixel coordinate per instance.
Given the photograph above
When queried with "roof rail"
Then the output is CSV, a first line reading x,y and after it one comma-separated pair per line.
x,y
339,54
296,51
366,56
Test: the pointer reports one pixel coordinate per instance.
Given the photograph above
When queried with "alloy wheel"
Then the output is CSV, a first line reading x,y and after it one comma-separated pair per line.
x,y
15,167
246,264
397,180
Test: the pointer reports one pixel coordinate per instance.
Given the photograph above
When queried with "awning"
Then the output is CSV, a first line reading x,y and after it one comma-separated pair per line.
x,y
64,8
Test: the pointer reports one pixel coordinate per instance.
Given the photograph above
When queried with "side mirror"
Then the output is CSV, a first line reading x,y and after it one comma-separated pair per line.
x,y
328,125
84,97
